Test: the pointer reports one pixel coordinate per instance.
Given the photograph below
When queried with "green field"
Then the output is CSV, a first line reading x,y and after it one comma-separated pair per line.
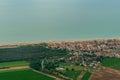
x,y
112,63
72,74
86,76
24,74
13,64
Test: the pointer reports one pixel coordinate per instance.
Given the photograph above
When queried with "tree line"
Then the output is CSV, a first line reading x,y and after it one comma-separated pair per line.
x,y
29,52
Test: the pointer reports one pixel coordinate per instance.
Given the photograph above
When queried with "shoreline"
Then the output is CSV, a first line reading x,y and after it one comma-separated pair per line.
x,y
47,41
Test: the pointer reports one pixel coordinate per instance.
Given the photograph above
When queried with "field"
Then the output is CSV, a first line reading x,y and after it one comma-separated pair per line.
x,y
13,64
72,71
74,67
112,63
24,74
86,76
72,74
106,74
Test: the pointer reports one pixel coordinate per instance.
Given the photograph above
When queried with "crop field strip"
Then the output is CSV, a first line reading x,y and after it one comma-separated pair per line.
x,y
86,76
112,63
13,64
23,74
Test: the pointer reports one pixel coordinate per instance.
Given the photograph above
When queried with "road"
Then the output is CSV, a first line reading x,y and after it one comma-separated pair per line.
x,y
15,68
81,75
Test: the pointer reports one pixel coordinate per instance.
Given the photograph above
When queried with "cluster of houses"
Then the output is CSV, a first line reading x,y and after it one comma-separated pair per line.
x,y
105,47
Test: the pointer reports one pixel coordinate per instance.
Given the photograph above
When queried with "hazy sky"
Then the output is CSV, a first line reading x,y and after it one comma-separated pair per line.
x,y
36,20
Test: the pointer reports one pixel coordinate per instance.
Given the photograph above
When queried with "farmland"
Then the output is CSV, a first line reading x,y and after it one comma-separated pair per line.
x,y
86,76
73,71
23,74
72,74
13,64
112,63
111,70
106,74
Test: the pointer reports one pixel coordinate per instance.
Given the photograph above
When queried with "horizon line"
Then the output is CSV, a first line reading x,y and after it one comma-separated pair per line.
x,y
42,41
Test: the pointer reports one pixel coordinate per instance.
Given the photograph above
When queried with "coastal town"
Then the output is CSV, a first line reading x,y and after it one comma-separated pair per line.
x,y
105,47
67,60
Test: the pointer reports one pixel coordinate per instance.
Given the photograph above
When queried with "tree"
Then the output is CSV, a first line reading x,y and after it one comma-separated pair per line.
x,y
35,64
72,69
51,66
67,69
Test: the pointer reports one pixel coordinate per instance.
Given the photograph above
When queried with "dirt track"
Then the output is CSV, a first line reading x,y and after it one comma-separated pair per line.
x,y
15,68
81,75
106,74
47,75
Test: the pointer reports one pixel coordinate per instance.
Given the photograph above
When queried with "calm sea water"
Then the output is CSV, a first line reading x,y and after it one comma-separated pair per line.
x,y
36,20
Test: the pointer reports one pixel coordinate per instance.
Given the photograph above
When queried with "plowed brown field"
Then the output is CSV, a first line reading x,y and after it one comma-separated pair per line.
x,y
106,74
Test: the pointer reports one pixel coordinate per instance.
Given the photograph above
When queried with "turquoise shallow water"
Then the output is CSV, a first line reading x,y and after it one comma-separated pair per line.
x,y
36,20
